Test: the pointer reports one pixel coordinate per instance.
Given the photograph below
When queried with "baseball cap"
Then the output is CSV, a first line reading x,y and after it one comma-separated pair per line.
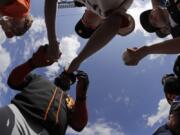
x,y
83,31
144,20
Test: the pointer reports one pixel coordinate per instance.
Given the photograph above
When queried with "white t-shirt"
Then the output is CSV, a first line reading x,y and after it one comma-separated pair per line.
x,y
104,8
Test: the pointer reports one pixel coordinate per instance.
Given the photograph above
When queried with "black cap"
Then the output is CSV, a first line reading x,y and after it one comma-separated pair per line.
x,y
83,31
144,20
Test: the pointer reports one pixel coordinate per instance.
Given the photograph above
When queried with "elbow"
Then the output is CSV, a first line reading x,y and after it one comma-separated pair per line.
x,y
80,126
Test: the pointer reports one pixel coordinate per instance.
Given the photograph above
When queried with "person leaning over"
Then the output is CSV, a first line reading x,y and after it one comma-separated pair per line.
x,y
162,21
42,105
102,20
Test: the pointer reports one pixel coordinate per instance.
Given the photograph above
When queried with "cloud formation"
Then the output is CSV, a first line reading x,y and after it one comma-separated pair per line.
x,y
100,127
161,114
5,59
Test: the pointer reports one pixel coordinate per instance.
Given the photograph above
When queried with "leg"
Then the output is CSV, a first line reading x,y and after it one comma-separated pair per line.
x,y
98,40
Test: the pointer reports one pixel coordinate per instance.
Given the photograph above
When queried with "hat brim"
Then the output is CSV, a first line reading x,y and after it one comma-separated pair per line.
x,y
83,31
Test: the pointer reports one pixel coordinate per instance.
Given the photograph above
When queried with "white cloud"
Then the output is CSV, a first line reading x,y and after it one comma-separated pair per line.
x,y
100,127
5,59
69,47
136,9
36,37
162,113
3,87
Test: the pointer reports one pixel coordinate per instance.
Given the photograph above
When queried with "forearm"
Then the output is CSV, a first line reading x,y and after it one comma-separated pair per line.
x,y
50,19
17,76
79,116
100,38
167,47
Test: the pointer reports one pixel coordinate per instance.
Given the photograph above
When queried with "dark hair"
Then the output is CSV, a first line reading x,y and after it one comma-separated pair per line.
x,y
171,82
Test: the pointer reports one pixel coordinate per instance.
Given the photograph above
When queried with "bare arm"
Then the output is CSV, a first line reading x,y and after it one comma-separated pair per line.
x,y
50,20
80,114
133,55
167,47
17,77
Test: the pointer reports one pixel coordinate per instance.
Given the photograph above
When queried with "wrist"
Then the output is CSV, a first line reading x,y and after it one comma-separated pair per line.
x,y
144,50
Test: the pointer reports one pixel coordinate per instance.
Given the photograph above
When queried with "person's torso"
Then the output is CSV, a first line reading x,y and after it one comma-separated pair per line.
x,y
44,101
173,7
104,8
15,8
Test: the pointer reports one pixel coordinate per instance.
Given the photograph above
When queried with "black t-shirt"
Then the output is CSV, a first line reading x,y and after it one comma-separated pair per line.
x,y
35,98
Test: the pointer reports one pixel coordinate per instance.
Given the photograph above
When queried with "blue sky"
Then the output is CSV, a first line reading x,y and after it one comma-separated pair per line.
x,y
122,100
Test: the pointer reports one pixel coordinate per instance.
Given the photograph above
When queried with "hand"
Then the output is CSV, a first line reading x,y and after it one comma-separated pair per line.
x,y
40,58
65,80
82,84
53,51
132,56
73,66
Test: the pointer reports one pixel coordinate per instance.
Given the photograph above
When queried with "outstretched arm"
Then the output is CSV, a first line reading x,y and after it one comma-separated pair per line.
x,y
98,40
50,20
80,115
17,77
133,55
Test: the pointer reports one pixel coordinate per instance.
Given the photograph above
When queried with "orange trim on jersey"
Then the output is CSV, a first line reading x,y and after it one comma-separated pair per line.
x,y
17,8
49,104
59,107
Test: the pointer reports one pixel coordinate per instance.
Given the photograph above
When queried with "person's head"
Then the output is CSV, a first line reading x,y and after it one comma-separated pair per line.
x,y
65,80
171,85
16,26
155,20
171,82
